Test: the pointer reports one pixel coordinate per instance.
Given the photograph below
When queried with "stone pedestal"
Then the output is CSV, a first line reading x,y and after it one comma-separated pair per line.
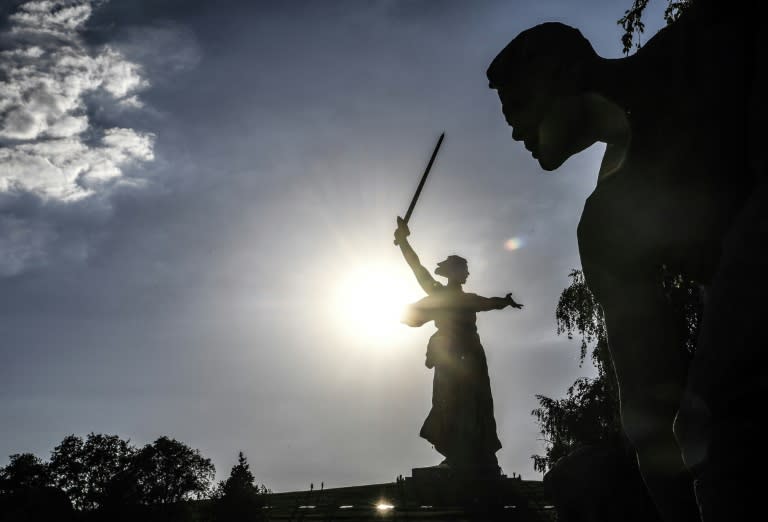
x,y
438,473
446,486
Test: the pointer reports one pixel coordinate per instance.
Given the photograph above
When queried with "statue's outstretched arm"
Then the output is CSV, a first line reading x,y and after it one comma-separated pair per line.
x,y
483,304
424,278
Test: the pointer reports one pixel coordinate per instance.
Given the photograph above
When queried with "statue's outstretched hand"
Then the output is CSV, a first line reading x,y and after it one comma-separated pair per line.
x,y
402,230
512,302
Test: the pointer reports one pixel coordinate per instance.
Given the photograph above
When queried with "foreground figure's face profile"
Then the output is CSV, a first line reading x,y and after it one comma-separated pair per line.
x,y
539,78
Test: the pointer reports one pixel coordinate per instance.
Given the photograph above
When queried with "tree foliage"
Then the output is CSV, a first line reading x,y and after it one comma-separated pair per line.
x,y
105,471
86,469
685,301
24,470
238,497
632,21
589,413
169,471
241,481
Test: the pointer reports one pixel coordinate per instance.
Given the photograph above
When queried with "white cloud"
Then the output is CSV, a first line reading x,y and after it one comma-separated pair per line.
x,y
59,18
67,169
49,149
43,104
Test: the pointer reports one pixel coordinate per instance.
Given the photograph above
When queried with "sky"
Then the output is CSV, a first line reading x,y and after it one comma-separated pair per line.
x,y
197,202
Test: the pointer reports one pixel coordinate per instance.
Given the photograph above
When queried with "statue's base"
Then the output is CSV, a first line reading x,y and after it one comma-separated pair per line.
x,y
438,473
446,486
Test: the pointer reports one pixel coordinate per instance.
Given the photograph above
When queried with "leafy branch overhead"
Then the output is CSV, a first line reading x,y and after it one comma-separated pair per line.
x,y
632,21
579,312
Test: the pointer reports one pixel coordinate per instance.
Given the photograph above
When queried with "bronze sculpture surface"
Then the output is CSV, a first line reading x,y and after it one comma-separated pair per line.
x,y
682,189
460,425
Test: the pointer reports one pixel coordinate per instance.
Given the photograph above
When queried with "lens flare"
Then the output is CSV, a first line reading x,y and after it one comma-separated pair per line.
x,y
514,243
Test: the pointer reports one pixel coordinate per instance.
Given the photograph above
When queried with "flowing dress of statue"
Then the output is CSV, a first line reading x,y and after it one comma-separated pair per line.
x,y
460,425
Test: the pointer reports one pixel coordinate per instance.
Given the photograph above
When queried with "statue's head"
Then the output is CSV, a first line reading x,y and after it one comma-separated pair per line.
x,y
454,268
536,76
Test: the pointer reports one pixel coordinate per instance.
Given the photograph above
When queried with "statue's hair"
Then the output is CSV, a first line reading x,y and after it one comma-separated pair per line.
x,y
449,265
547,39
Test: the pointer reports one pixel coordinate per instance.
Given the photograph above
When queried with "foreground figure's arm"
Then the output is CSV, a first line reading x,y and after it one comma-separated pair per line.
x,y
425,279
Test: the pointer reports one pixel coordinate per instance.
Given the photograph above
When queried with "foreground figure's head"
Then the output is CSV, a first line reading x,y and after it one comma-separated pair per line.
x,y
454,268
542,77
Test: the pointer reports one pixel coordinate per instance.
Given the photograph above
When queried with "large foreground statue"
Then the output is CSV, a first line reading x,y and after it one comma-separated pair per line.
x,y
460,425
682,190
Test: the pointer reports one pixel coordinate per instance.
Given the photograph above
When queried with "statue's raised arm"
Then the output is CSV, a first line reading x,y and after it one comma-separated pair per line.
x,y
425,279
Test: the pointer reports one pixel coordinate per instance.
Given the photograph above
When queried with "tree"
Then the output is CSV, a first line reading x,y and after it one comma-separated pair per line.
x,y
632,21
241,480
26,491
25,470
168,471
86,469
589,413
238,497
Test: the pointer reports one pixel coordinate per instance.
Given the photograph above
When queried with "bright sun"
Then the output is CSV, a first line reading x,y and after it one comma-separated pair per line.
x,y
371,299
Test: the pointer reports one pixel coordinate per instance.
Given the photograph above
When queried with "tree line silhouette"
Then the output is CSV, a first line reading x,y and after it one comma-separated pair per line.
x,y
104,477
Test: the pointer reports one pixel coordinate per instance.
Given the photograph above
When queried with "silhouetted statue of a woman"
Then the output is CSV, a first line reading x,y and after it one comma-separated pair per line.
x,y
460,424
